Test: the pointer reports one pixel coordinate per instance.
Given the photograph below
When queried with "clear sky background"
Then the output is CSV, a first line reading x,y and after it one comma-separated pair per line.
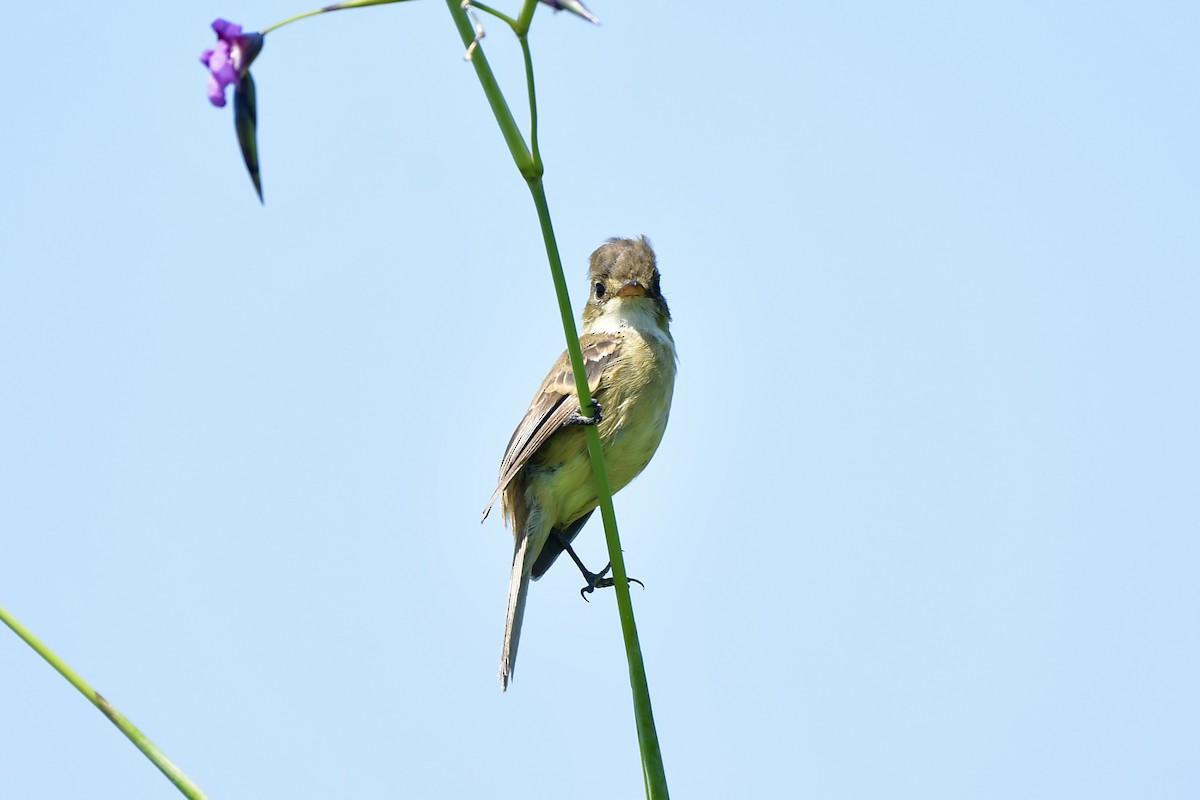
x,y
924,523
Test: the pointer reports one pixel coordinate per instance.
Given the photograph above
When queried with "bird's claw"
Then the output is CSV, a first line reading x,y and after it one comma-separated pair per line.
x,y
578,418
595,579
598,580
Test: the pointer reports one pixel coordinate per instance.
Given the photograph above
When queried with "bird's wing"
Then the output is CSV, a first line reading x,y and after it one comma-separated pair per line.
x,y
554,404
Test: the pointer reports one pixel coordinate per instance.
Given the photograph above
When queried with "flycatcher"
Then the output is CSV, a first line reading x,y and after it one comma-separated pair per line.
x,y
546,476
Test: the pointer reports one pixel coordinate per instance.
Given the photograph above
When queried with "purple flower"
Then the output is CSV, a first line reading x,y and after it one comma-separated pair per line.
x,y
230,60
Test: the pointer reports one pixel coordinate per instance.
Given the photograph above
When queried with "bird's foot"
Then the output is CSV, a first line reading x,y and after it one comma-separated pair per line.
x,y
579,419
599,580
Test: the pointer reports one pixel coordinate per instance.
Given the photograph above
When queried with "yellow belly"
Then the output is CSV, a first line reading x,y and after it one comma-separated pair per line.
x,y
636,399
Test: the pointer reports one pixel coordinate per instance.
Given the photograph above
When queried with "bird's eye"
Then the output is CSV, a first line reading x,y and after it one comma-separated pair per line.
x,y
599,290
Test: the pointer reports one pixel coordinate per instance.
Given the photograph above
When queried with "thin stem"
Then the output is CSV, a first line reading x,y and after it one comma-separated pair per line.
x,y
525,17
495,98
156,756
533,115
334,7
512,23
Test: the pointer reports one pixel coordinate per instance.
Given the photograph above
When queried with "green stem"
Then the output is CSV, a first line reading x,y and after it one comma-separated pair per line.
x,y
495,98
173,773
525,17
533,115
512,23
323,9
530,167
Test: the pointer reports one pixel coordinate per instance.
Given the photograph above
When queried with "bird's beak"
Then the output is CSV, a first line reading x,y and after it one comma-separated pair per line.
x,y
632,289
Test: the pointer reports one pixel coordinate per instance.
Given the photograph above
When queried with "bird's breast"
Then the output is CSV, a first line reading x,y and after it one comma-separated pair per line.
x,y
635,392
636,400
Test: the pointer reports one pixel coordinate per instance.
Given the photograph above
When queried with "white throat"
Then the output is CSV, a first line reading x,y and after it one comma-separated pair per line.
x,y
623,315
631,314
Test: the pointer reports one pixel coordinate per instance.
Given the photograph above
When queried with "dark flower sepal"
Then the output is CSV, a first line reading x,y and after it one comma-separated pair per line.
x,y
245,121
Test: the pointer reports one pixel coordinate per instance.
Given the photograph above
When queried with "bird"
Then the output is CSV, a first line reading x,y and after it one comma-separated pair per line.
x,y
546,484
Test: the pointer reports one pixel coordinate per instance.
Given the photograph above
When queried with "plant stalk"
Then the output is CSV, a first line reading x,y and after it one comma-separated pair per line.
x,y
156,756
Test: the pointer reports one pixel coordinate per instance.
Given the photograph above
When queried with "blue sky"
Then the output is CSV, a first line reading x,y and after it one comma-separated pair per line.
x,y
924,523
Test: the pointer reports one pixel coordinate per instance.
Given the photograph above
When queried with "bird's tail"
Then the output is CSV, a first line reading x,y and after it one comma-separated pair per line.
x,y
518,589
